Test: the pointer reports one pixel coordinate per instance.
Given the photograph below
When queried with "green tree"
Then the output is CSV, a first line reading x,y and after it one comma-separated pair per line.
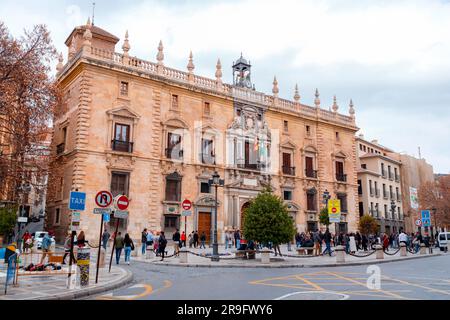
x,y
8,217
324,218
368,225
267,220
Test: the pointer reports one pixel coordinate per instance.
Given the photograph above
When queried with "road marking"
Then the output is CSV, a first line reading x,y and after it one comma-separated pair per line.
x,y
365,286
314,285
345,296
110,296
417,285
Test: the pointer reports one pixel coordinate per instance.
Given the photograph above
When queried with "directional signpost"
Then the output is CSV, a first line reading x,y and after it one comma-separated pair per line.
x,y
121,204
77,202
103,199
426,218
186,205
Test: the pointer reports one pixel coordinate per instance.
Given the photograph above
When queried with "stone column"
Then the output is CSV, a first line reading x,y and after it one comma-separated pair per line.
x,y
102,257
183,255
340,254
379,251
423,248
149,254
265,256
402,249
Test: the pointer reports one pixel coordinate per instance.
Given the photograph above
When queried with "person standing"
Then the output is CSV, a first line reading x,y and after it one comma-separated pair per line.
x,y
118,243
317,241
149,238
203,240
81,241
191,239
403,238
176,243
237,238
195,239
105,239
327,239
227,239
364,242
46,243
68,247
162,245
183,239
144,241
129,246
358,240
25,239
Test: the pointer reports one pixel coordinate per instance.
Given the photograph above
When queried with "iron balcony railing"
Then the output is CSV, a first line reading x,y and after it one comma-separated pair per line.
x,y
122,146
208,158
385,195
397,178
60,148
311,173
174,153
341,177
289,170
383,174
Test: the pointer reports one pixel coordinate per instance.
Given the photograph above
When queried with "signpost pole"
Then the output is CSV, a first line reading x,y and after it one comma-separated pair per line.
x,y
99,249
70,255
114,243
185,229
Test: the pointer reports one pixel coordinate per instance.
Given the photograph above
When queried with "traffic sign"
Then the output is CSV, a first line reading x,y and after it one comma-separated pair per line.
x,y
77,201
102,210
426,219
76,217
106,217
418,222
122,203
334,211
186,205
22,220
103,199
186,213
121,214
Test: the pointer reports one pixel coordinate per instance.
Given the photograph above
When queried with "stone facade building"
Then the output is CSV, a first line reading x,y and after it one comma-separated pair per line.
x,y
379,187
158,134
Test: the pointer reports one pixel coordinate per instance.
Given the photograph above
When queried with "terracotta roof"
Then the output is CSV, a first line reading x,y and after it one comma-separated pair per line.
x,y
95,31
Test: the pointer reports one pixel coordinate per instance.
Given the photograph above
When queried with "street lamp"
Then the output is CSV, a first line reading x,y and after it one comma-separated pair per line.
x,y
435,224
216,182
393,207
326,196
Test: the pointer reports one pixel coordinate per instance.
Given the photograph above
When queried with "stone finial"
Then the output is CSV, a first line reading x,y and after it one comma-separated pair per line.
x,y
160,55
219,71
335,106
296,94
275,89
191,65
126,45
72,49
87,36
317,100
351,109
60,65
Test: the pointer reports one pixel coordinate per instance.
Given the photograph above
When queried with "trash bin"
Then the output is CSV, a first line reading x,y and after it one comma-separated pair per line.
x,y
83,263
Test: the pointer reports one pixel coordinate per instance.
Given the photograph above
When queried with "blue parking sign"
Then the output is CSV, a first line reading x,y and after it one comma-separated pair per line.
x,y
77,201
426,219
106,217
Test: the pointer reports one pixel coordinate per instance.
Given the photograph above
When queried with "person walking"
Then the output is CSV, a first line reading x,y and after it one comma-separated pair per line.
x,y
358,240
237,238
195,239
191,239
162,245
149,238
183,239
144,241
129,246
327,238
81,241
317,241
403,238
203,240
176,243
119,244
105,239
46,243
26,243
68,246
364,242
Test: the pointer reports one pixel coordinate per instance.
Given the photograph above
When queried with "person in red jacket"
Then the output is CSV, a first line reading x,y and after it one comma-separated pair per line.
x,y
385,242
183,238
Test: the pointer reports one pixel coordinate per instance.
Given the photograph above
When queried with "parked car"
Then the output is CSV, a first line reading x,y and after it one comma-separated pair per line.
x,y
38,236
35,219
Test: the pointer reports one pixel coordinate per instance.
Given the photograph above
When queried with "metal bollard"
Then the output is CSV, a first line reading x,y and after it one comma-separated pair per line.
x,y
402,249
423,248
102,257
340,254
83,263
149,254
265,256
183,255
379,250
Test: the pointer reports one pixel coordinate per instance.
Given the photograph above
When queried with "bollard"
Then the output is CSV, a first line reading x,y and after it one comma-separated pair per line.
x,y
265,256
83,262
379,250
183,255
423,248
149,254
102,257
340,254
402,249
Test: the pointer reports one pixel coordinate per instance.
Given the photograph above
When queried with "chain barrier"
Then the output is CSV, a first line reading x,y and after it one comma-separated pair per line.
x,y
411,251
392,254
362,256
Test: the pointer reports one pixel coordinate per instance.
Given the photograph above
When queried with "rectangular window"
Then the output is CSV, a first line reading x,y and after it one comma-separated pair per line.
x,y
174,101
121,140
173,150
308,131
343,198
57,216
65,135
309,167
311,202
386,213
124,88
251,157
207,109
205,188
119,183
173,190
360,192
340,176
287,195
337,136
287,164
171,222
285,126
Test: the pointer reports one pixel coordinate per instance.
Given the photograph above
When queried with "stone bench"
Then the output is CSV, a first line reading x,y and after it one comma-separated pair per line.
x,y
305,250
245,254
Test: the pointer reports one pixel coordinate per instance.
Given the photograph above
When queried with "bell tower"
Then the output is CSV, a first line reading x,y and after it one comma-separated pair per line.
x,y
242,73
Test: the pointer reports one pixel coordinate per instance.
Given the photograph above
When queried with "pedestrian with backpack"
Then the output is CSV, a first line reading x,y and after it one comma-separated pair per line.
x,y
144,241
119,244
162,244
46,243
129,246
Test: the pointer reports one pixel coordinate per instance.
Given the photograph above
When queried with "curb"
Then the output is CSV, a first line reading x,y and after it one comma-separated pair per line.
x,y
128,278
327,265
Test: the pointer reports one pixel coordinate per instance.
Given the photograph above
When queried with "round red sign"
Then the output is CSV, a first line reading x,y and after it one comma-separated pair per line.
x,y
122,203
187,205
334,210
103,199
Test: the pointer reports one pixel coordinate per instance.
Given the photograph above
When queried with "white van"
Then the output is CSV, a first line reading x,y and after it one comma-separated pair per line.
x,y
444,240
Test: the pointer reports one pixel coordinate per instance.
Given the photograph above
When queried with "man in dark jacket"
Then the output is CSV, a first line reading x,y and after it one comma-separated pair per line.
x,y
176,243
327,238
195,239
162,245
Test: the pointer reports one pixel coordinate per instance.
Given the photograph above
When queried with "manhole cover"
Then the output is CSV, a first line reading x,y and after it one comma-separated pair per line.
x,y
314,295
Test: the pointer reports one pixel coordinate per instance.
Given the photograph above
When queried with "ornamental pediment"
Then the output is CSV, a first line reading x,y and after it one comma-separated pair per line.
x,y
124,112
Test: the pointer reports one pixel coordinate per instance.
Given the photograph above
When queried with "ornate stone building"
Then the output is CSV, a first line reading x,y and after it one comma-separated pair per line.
x,y
158,134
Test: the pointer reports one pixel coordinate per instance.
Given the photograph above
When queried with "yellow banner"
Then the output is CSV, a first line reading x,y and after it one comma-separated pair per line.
x,y
334,206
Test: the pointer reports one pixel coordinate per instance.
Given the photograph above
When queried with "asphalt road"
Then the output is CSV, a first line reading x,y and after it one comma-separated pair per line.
x,y
417,279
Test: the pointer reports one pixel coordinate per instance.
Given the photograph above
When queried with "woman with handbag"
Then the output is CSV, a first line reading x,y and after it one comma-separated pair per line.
x,y
129,246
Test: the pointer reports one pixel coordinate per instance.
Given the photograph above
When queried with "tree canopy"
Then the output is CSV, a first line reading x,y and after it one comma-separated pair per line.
x,y
368,225
267,220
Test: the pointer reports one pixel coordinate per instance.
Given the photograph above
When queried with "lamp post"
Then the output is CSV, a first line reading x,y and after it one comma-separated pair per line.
x,y
326,196
393,207
434,229
216,182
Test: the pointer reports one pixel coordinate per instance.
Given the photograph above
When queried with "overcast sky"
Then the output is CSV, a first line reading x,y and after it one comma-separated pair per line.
x,y
391,57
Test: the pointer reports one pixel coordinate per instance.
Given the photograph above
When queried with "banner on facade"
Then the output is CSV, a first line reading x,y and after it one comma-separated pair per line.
x,y
414,198
334,211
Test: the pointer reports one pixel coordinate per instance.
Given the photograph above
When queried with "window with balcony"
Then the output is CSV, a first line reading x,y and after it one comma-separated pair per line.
x,y
207,109
124,86
251,155
372,212
173,150
119,183
377,210
61,148
377,191
173,187
207,155
309,168
174,102
371,188
311,200
399,212
391,177
340,176
383,171
288,169
121,140
360,190
385,194
396,176
386,213
391,193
